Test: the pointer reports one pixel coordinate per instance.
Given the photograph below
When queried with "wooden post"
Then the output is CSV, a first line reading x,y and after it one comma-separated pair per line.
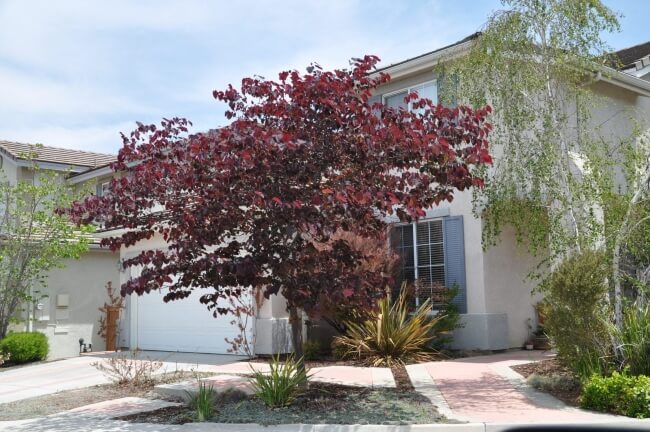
x,y
112,315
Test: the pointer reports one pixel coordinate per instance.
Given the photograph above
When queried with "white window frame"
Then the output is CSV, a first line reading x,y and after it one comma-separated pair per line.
x,y
408,90
103,187
415,244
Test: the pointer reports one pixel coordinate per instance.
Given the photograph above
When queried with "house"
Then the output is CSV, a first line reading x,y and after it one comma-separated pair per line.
x,y
443,247
68,312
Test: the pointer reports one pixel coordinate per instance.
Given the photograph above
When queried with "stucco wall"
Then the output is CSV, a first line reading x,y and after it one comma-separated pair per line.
x,y
83,281
507,287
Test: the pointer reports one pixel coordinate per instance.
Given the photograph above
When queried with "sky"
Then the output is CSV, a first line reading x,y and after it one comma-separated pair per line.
x,y
75,74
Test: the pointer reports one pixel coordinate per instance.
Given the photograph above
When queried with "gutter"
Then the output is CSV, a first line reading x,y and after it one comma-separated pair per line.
x,y
90,174
425,62
624,80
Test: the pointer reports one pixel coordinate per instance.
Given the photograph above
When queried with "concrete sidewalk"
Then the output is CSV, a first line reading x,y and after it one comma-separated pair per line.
x,y
77,372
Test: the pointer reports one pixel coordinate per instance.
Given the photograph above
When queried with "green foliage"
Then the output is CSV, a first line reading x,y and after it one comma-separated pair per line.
x,y
531,58
449,320
35,238
24,347
634,338
392,335
577,311
619,393
203,401
282,384
312,349
553,382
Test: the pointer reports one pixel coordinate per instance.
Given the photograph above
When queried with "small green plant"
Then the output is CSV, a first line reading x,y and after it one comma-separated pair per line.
x,y
24,347
282,384
312,349
553,382
634,337
392,335
202,402
450,319
620,393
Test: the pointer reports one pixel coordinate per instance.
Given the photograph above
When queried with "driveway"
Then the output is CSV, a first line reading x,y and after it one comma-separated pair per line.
x,y
77,372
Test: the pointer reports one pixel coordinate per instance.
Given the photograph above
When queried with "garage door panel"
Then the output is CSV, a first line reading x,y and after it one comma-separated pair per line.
x,y
183,325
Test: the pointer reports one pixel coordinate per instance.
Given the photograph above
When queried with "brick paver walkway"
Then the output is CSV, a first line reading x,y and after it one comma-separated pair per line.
x,y
485,389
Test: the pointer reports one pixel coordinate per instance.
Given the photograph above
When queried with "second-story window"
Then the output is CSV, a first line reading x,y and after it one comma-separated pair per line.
x,y
427,90
103,188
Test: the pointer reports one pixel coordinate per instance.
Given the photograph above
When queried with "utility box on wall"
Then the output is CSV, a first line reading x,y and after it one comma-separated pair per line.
x,y
62,306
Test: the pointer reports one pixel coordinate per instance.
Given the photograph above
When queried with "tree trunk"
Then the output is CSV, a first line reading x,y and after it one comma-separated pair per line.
x,y
295,319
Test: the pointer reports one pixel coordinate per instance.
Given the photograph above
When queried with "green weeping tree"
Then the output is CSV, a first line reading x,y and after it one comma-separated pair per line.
x,y
34,238
553,178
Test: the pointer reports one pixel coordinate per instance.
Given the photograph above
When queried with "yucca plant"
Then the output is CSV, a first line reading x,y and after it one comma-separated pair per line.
x,y
203,402
392,335
281,386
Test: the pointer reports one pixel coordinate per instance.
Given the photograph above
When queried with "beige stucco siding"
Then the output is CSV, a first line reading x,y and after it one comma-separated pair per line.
x,y
83,281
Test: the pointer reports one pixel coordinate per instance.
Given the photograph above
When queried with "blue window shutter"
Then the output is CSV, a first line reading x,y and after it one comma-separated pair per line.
x,y
454,243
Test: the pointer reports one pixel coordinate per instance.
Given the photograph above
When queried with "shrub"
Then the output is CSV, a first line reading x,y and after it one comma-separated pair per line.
x,y
556,382
619,393
282,384
202,402
576,294
449,319
25,347
312,349
123,368
634,337
392,335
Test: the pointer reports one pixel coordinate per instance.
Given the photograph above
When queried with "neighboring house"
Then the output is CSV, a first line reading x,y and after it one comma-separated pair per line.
x,y
74,293
444,247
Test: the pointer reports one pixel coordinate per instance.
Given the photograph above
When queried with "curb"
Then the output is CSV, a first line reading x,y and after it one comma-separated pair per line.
x,y
633,424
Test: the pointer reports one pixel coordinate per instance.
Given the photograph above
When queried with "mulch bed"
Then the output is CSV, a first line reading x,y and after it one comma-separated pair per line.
x,y
568,394
321,404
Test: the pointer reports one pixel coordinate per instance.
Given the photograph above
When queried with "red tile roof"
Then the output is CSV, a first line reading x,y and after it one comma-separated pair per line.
x,y
56,155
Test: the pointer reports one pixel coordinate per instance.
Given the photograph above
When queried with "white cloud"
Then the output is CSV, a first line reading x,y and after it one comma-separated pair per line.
x,y
74,73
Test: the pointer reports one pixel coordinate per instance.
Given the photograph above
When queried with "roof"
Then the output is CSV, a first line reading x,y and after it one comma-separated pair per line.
x,y
628,56
56,155
460,42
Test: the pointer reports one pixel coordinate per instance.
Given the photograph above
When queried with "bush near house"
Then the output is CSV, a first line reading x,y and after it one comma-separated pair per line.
x,y
576,294
620,393
392,334
24,347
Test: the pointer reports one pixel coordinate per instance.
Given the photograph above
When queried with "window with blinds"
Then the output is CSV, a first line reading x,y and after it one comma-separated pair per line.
x,y
421,249
396,99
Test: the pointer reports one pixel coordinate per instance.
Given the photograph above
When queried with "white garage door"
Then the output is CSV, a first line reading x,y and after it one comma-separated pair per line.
x,y
183,325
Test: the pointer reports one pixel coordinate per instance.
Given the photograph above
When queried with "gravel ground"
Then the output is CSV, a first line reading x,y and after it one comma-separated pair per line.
x,y
323,403
570,389
69,399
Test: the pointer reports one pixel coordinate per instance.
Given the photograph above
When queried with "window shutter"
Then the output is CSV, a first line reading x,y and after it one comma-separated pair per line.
x,y
455,259
98,189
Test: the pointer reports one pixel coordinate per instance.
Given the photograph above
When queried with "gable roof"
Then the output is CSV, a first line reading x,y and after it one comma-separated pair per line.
x,y
628,56
56,155
469,38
